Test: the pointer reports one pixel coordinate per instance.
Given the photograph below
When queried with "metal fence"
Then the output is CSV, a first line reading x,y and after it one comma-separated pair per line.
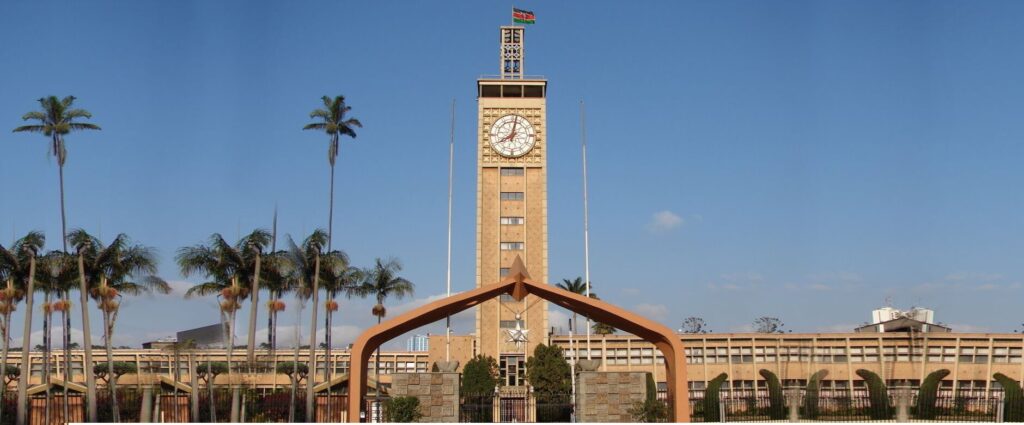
x,y
849,409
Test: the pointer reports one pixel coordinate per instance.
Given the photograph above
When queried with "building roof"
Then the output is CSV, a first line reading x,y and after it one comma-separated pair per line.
x,y
903,324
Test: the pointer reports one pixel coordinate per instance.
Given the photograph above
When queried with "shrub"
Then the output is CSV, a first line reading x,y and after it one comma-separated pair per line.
x,y
1014,399
776,400
711,411
877,393
649,410
402,409
479,376
811,395
928,392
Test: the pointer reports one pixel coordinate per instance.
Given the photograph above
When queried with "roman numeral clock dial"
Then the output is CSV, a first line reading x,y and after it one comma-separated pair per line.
x,y
512,136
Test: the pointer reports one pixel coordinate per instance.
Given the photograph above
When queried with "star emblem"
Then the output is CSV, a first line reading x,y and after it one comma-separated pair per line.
x,y
518,335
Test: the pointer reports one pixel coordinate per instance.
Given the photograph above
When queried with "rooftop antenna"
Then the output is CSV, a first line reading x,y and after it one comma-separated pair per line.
x,y
448,273
586,216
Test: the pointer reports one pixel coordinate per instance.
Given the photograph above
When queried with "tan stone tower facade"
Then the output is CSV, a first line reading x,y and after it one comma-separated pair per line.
x,y
511,205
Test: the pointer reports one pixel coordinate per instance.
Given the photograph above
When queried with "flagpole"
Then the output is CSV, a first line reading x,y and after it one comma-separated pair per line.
x,y
448,273
586,216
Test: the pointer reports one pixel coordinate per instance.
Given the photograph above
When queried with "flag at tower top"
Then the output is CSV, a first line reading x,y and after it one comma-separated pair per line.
x,y
521,16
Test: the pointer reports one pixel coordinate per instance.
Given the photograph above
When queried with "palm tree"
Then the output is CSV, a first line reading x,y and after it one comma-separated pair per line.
x,y
251,248
382,281
338,278
56,120
19,263
227,268
576,286
17,270
56,275
277,282
307,273
333,120
117,269
86,245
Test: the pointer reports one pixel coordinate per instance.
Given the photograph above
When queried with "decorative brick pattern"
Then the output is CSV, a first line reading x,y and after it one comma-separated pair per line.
x,y
608,396
438,394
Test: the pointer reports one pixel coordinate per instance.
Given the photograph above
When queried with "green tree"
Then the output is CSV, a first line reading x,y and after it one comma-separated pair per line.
x,y
18,270
579,287
603,329
768,325
56,276
338,278
711,397
380,282
102,370
1013,398
333,119
479,376
116,270
651,409
776,400
694,325
812,393
928,393
296,371
402,409
548,372
877,393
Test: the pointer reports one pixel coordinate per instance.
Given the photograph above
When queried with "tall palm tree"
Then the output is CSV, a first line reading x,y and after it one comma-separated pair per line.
x,y
116,270
227,269
576,286
17,270
20,262
277,282
333,120
307,273
56,119
380,282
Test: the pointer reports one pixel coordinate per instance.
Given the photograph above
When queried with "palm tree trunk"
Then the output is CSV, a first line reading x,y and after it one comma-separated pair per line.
x,y
6,348
209,384
66,316
231,373
26,343
376,368
112,383
90,378
311,377
193,378
47,316
327,354
330,208
255,306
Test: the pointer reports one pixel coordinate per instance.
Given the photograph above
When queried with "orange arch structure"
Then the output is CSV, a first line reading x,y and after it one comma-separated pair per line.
x,y
518,284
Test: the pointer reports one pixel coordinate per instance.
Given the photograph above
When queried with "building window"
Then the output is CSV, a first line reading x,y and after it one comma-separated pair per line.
x,y
512,220
511,196
511,171
502,272
506,298
512,246
511,324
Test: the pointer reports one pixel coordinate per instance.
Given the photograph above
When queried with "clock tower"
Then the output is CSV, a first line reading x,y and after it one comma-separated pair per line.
x,y
512,205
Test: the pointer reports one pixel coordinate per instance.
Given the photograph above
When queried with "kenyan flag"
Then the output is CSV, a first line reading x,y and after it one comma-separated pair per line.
x,y
521,16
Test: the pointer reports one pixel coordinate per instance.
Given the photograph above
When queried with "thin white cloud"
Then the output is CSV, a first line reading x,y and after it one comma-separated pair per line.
x,y
664,221
652,311
973,276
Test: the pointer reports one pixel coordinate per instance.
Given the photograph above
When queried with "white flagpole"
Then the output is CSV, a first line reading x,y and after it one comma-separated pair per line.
x,y
586,217
448,273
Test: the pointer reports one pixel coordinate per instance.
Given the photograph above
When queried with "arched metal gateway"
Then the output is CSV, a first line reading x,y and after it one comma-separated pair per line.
x,y
518,284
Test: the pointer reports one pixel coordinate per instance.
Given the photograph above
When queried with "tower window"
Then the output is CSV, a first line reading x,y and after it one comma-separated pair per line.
x,y
512,246
511,171
511,324
511,196
512,220
503,271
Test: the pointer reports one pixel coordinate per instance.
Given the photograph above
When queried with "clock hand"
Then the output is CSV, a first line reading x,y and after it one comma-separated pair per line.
x,y
515,121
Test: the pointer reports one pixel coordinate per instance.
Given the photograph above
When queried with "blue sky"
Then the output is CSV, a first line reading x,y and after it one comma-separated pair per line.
x,y
806,160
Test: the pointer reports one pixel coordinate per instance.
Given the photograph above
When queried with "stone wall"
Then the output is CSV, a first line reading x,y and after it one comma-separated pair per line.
x,y
438,394
608,396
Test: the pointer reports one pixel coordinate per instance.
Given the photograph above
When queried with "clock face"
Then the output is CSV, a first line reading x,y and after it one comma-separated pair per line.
x,y
512,136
